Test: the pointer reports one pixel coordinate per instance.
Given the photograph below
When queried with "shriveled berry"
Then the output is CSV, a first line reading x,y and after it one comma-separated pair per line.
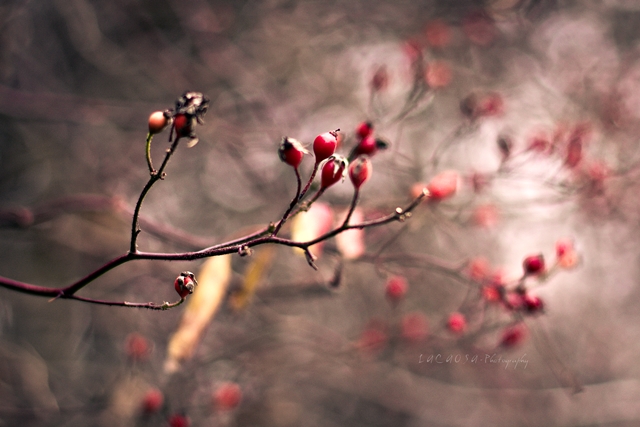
x,y
152,401
533,265
185,284
360,171
457,323
332,171
227,396
395,288
157,122
325,145
291,151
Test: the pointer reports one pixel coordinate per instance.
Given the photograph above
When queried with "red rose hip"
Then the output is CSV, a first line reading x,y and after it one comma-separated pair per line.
x,y
325,145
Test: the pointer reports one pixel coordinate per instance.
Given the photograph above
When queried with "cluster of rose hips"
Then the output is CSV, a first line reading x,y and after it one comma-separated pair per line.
x,y
334,166
517,299
190,109
225,397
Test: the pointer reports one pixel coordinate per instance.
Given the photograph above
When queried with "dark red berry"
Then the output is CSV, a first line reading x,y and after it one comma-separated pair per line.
x,y
153,401
513,336
533,265
325,145
532,304
183,124
360,171
291,151
364,129
332,171
179,420
395,288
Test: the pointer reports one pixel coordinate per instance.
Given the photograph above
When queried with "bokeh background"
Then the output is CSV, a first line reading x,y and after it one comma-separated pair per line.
x,y
78,80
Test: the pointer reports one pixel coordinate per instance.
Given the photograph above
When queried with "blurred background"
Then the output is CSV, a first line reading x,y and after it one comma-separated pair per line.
x,y
535,104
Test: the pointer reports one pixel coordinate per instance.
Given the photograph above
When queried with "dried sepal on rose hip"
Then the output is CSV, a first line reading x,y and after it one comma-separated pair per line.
x,y
291,151
325,145
360,171
190,109
333,171
185,284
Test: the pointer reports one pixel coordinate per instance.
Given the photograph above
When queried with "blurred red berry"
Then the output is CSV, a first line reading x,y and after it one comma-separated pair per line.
x,y
414,327
438,33
360,171
479,28
566,253
373,338
533,304
492,293
157,122
153,401
443,185
486,216
364,129
332,171
457,323
513,336
227,396
179,420
533,265
380,79
137,346
291,151
479,268
438,74
395,288
325,145
491,104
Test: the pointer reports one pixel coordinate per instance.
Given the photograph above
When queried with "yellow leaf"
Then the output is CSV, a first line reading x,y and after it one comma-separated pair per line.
x,y
255,272
213,280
